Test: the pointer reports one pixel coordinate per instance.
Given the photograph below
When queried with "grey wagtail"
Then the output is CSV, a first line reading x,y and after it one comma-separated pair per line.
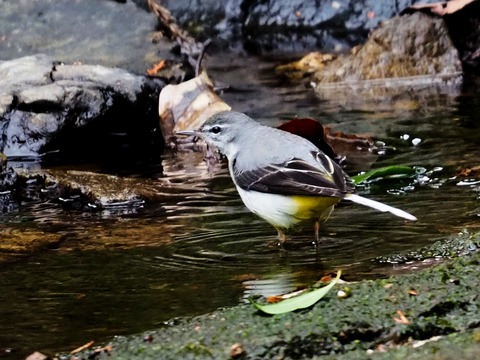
x,y
281,177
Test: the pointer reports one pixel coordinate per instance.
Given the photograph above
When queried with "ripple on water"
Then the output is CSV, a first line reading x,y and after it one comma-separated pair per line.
x,y
196,247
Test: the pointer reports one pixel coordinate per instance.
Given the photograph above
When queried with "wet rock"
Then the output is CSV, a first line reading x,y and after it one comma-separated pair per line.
x,y
8,180
123,34
8,176
85,190
46,107
403,46
461,244
282,27
406,52
464,29
108,33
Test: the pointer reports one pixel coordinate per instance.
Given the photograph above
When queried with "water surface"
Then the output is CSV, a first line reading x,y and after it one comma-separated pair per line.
x,y
122,271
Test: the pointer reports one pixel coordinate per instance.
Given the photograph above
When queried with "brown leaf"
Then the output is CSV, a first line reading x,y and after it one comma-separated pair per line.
x,y
401,318
188,105
83,347
333,144
311,130
237,351
277,298
274,299
326,278
412,292
156,68
340,140
469,172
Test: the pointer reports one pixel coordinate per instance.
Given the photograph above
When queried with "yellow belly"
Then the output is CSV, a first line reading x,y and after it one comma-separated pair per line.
x,y
283,212
314,207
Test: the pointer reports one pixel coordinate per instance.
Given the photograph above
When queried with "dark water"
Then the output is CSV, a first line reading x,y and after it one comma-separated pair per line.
x,y
127,271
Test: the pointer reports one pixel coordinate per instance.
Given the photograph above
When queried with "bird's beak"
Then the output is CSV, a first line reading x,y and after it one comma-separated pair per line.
x,y
187,133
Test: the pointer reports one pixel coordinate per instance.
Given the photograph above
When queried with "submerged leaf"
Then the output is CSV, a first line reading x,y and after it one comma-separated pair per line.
x,y
302,301
384,172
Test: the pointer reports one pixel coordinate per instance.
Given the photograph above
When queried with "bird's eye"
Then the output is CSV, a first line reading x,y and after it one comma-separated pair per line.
x,y
215,129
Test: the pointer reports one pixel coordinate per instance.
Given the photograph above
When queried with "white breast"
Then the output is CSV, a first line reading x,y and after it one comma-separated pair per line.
x,y
278,210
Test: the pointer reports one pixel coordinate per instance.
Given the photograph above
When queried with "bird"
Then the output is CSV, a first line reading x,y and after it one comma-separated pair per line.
x,y
281,177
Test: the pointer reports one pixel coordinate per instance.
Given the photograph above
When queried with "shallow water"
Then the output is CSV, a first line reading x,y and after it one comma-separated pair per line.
x,y
122,271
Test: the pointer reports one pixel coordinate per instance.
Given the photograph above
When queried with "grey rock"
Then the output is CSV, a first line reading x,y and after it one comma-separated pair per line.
x,y
43,105
405,59
291,26
108,33
8,180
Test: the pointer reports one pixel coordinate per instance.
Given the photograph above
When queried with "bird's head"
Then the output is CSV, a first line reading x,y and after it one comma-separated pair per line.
x,y
224,131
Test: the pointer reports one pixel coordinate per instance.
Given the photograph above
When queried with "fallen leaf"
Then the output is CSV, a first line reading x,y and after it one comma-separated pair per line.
x,y
342,142
311,130
188,105
156,68
326,278
237,351
304,300
277,298
274,299
401,318
97,352
394,171
469,172
419,343
83,347
412,292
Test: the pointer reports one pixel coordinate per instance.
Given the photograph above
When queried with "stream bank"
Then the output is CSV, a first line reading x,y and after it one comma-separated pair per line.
x,y
430,314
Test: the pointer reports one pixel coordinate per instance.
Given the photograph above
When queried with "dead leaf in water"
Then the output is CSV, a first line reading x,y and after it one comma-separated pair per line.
x,y
469,172
331,143
188,105
311,130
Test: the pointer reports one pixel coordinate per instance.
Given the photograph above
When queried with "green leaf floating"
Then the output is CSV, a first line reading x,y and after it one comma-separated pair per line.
x,y
384,172
301,301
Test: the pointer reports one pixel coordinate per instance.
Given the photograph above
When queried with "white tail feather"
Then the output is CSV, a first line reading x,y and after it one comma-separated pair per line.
x,y
379,206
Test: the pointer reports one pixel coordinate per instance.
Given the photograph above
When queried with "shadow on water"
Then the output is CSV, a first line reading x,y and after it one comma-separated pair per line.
x,y
125,271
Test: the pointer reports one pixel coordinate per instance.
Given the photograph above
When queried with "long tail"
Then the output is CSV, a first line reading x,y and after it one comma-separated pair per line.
x,y
379,206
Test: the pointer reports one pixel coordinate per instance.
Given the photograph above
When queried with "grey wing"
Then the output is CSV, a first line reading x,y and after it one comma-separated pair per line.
x,y
297,177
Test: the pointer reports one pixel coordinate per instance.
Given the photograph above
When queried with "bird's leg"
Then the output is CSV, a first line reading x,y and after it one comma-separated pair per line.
x,y
282,237
317,229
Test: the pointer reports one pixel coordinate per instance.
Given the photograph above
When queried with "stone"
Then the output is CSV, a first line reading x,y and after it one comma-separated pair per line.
x,y
44,106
